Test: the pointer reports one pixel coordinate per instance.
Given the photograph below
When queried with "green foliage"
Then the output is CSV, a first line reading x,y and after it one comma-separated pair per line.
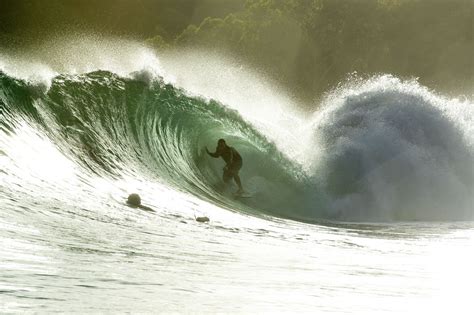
x,y
137,18
308,45
312,45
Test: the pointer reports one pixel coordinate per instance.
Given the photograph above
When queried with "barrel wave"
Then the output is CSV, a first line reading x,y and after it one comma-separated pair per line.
x,y
111,127
379,150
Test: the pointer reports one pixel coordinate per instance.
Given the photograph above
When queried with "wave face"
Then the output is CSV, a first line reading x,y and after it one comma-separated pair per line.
x,y
379,150
113,127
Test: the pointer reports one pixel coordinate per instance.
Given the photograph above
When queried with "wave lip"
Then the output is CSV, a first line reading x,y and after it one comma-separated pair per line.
x,y
81,54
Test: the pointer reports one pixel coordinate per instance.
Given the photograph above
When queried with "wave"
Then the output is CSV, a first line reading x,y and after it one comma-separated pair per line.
x,y
112,127
395,150
379,150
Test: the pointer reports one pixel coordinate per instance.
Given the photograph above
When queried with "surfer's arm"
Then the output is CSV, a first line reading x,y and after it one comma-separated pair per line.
x,y
146,208
214,155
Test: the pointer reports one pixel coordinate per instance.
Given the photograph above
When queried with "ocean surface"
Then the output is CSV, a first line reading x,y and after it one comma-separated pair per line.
x,y
363,204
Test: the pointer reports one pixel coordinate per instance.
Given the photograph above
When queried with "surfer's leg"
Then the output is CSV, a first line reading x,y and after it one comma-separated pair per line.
x,y
227,176
238,182
235,173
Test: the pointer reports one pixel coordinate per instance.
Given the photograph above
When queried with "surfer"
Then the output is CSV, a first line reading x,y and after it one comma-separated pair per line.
x,y
233,162
135,201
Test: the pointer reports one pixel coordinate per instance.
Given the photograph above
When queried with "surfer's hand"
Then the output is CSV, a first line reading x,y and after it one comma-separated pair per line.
x,y
207,150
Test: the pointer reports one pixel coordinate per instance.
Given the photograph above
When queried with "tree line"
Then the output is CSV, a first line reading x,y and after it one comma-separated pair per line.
x,y
307,45
311,45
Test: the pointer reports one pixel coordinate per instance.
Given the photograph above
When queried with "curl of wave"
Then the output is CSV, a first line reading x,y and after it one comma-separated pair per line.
x,y
383,150
112,127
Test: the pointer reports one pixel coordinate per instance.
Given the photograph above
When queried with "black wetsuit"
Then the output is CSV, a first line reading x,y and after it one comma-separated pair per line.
x,y
232,159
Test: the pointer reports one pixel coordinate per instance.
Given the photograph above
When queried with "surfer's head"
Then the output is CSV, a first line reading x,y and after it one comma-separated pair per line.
x,y
221,143
134,200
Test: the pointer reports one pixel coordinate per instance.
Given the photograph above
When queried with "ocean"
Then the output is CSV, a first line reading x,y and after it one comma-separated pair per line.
x,y
362,204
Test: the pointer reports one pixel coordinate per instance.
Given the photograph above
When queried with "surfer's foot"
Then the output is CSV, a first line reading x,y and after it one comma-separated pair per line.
x,y
239,192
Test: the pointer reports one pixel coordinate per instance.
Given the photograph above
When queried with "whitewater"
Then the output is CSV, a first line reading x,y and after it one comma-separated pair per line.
x,y
363,204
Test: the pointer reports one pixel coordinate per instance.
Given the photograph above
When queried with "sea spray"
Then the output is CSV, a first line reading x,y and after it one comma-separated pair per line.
x,y
394,150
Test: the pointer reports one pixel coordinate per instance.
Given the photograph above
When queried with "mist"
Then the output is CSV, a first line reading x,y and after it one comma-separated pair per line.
x,y
308,48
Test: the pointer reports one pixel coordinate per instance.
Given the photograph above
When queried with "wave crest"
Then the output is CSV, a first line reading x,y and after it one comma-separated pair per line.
x,y
381,150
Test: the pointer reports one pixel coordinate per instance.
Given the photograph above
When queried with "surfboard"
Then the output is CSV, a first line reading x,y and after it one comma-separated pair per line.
x,y
243,195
